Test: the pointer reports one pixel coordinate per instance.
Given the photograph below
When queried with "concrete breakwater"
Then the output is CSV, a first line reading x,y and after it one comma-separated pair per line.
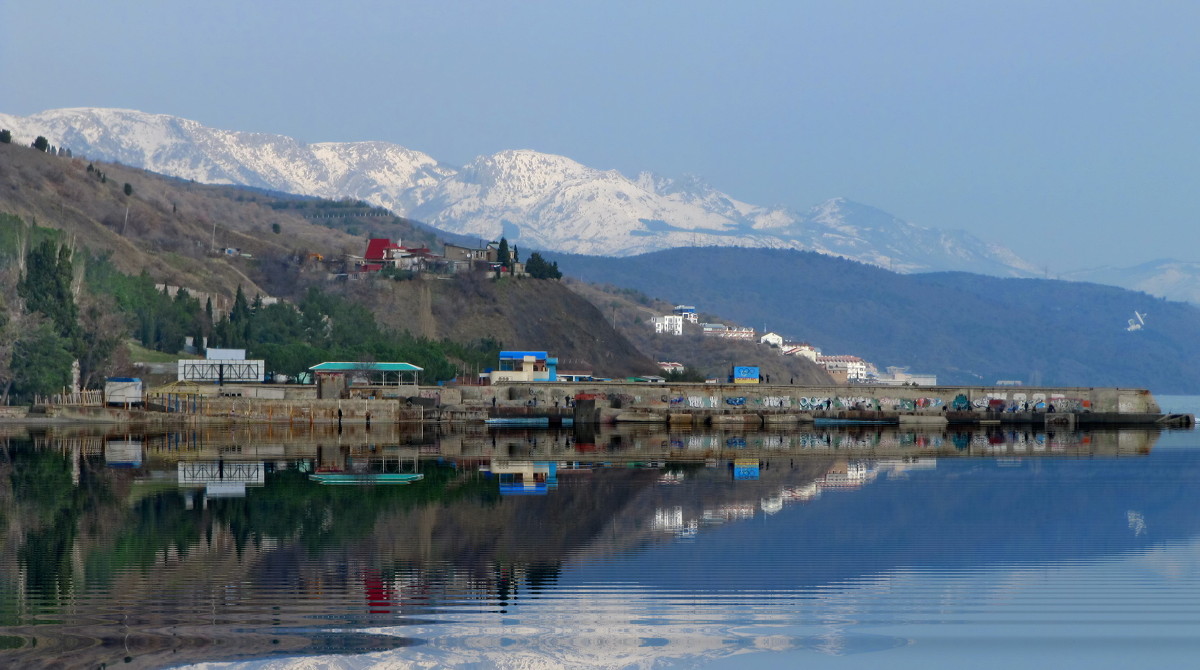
x,y
673,404
757,404
604,402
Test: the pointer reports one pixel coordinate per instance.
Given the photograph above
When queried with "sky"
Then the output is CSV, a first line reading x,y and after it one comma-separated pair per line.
x,y
1065,130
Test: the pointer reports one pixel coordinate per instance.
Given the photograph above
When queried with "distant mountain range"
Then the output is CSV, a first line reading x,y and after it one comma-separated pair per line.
x,y
1177,280
536,200
544,201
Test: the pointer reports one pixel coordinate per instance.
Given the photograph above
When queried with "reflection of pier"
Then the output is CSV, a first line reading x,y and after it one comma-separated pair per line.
x,y
221,478
327,448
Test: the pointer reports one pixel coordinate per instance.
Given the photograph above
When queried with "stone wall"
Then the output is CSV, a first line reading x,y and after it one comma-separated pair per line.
x,y
300,411
665,397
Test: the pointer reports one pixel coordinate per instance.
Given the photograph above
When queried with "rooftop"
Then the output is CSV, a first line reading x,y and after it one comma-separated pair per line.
x,y
350,366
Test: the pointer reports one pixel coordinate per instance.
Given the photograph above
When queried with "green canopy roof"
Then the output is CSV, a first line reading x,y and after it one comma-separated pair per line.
x,y
343,366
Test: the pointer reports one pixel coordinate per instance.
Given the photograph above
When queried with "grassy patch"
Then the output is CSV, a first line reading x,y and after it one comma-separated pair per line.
x,y
140,354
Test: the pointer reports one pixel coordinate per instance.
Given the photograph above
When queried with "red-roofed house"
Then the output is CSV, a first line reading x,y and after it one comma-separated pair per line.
x,y
383,253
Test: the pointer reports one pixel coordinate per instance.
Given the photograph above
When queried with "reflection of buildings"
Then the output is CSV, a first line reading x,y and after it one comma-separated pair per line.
x,y
123,453
899,466
847,474
671,520
221,479
843,475
524,477
801,493
729,512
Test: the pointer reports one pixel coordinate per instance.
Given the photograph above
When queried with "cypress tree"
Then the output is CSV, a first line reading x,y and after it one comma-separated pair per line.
x,y
502,254
46,288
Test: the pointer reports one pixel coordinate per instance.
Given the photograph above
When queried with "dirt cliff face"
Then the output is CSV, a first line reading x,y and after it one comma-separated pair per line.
x,y
518,313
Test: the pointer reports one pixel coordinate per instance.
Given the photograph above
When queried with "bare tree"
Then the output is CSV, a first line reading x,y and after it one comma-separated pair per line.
x,y
104,332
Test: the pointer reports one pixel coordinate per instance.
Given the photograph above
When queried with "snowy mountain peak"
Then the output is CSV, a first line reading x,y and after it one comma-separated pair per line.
x,y
543,200
524,170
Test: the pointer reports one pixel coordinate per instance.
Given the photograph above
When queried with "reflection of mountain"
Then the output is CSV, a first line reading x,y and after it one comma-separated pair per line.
x,y
966,514
575,577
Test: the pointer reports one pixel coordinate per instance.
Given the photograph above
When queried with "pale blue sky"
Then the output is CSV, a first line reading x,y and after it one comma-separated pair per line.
x,y
1065,130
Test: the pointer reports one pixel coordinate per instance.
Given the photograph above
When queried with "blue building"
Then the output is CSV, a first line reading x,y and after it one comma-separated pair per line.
x,y
525,366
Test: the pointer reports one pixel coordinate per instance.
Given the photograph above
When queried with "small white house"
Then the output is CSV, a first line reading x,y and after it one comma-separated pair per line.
x,y
803,349
773,339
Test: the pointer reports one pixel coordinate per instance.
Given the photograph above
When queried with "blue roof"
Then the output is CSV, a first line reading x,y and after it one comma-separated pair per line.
x,y
518,355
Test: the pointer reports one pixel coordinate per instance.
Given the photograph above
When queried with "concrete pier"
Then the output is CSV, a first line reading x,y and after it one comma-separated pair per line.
x,y
698,405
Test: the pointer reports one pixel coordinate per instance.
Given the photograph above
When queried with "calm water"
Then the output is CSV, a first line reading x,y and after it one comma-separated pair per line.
x,y
631,548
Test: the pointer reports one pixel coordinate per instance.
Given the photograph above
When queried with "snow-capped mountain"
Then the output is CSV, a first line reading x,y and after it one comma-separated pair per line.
x,y
1167,278
375,171
536,200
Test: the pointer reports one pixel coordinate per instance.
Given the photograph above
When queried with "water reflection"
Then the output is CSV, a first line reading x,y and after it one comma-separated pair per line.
x,y
608,547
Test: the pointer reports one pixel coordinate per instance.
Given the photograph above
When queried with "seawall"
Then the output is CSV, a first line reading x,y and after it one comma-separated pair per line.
x,y
676,404
732,403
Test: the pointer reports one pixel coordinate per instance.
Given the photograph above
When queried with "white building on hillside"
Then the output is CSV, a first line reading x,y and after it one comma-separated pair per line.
x,y
802,349
688,312
847,368
668,325
773,339
897,376
731,332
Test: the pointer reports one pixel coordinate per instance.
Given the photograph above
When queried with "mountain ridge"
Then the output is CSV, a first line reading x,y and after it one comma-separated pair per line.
x,y
541,200
968,329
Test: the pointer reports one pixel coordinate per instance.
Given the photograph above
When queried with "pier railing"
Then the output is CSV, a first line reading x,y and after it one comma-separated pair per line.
x,y
89,398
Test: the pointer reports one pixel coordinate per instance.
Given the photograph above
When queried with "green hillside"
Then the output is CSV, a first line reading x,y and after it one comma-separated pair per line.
x,y
86,247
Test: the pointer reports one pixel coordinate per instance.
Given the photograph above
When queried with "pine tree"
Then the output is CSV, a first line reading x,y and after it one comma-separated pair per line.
x,y
538,268
41,362
46,289
502,255
5,136
241,308
41,143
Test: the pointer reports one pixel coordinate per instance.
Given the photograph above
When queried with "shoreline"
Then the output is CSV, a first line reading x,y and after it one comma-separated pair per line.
x,y
591,403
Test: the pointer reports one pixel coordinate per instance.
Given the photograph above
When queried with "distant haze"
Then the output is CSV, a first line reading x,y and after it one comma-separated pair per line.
x,y
1062,130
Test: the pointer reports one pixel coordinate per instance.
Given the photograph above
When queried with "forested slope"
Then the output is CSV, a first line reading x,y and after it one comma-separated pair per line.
x,y
966,328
